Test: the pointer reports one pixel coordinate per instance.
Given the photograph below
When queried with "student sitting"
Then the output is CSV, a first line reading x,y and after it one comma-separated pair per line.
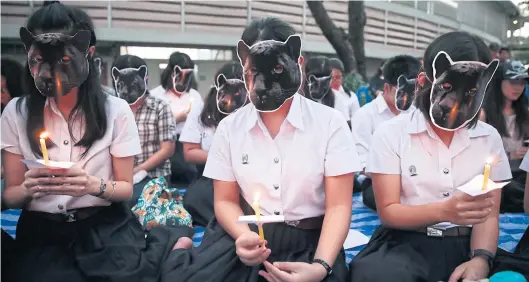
x,y
178,89
418,160
506,108
368,118
153,117
289,155
225,97
318,74
338,87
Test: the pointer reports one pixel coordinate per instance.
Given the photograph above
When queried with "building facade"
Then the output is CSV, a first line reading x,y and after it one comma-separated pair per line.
x,y
209,30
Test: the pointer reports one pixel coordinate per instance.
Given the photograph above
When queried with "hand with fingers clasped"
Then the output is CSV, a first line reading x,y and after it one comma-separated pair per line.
x,y
73,182
463,209
293,272
249,248
474,270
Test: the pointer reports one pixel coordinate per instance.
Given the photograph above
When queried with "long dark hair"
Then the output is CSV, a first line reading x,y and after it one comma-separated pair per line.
x,y
54,16
319,65
13,72
460,46
177,59
210,116
495,102
267,28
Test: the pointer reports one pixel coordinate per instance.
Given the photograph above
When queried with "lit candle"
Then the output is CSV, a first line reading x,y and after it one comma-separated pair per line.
x,y
486,174
43,148
257,210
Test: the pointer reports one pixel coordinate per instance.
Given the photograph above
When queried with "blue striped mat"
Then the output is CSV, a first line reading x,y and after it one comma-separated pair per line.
x,y
512,226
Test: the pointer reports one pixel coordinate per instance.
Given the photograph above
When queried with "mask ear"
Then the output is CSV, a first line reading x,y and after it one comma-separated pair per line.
x,y
401,81
27,38
177,70
97,62
142,71
486,76
294,44
115,73
242,52
81,40
441,63
221,79
312,78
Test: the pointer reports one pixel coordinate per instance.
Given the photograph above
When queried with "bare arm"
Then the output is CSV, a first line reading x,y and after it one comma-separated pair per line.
x,y
122,170
15,194
165,152
227,209
485,234
193,153
338,206
396,215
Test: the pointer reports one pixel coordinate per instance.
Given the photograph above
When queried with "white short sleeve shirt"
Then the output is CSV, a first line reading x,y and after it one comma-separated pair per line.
x,y
120,140
180,103
364,123
288,171
354,104
525,163
431,172
195,132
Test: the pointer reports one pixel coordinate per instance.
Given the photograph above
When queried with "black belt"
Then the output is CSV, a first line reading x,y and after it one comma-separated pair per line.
x,y
450,232
71,215
306,223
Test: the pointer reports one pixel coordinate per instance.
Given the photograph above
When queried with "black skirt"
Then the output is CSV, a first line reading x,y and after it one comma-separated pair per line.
x,y
198,201
407,256
107,246
517,261
182,172
215,259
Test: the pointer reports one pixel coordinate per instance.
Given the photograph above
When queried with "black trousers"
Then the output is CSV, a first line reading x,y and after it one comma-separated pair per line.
x,y
198,201
517,261
512,194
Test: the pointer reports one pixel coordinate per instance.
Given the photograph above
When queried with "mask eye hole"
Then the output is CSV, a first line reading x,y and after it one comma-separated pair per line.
x,y
36,59
472,91
445,86
278,69
65,60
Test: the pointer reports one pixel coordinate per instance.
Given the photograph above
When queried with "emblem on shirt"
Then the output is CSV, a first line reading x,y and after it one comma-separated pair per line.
x,y
204,135
413,170
244,158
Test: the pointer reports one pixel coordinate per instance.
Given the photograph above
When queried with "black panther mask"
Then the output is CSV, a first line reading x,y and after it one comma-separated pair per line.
x,y
231,94
272,74
130,83
458,90
182,79
58,62
319,86
405,93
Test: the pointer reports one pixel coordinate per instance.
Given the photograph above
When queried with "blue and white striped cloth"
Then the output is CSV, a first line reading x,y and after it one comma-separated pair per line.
x,y
512,226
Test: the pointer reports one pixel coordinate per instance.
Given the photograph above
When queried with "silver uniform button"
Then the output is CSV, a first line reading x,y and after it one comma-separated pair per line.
x,y
276,186
276,160
61,207
66,142
446,171
446,194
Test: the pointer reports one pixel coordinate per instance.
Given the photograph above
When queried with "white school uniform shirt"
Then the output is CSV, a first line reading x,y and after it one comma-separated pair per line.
x,y
120,140
364,123
525,163
430,172
195,132
354,104
179,103
342,105
314,141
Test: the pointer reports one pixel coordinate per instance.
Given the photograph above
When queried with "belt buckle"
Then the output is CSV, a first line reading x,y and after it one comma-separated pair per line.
x,y
433,232
70,216
293,223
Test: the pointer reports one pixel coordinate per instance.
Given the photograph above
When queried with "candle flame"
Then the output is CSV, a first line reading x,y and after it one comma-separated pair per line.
x,y
44,135
256,197
489,161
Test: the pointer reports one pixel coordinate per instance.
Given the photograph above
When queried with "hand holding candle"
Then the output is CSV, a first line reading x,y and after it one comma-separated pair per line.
x,y
486,174
43,147
257,209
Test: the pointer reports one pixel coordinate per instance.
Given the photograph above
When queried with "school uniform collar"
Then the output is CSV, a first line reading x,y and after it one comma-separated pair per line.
x,y
381,104
294,116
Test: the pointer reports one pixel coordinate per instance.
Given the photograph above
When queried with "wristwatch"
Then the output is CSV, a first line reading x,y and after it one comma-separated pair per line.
x,y
484,254
102,188
327,267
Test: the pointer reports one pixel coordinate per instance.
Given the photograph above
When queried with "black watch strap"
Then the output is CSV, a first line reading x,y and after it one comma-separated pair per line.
x,y
484,254
327,267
